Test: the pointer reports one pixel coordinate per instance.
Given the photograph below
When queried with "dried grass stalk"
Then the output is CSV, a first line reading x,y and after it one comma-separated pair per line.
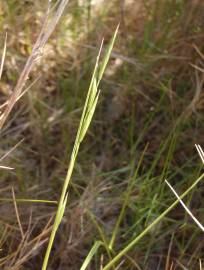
x,y
50,21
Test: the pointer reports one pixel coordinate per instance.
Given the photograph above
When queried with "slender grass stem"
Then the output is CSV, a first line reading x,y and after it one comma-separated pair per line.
x,y
87,114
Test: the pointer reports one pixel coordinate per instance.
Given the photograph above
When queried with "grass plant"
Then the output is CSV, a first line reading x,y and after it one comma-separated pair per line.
x,y
120,213
87,114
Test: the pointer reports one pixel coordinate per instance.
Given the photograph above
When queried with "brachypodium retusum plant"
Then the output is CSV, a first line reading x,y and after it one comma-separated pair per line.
x,y
87,114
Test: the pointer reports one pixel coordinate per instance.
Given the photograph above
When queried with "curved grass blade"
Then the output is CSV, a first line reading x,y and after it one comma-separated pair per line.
x,y
92,252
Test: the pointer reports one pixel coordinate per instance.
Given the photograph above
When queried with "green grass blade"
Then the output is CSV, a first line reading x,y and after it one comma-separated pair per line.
x,y
58,219
126,200
27,201
101,233
61,212
92,252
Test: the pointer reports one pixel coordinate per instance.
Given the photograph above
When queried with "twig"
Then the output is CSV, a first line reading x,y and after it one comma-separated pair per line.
x,y
11,150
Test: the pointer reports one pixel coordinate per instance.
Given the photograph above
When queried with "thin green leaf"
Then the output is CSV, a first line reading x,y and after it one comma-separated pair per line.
x,y
90,255
28,201
58,219
60,213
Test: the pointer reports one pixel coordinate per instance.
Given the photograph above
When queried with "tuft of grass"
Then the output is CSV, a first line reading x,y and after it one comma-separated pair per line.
x,y
146,230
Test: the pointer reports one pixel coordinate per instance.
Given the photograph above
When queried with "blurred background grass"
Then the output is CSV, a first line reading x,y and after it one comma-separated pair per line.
x,y
150,113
